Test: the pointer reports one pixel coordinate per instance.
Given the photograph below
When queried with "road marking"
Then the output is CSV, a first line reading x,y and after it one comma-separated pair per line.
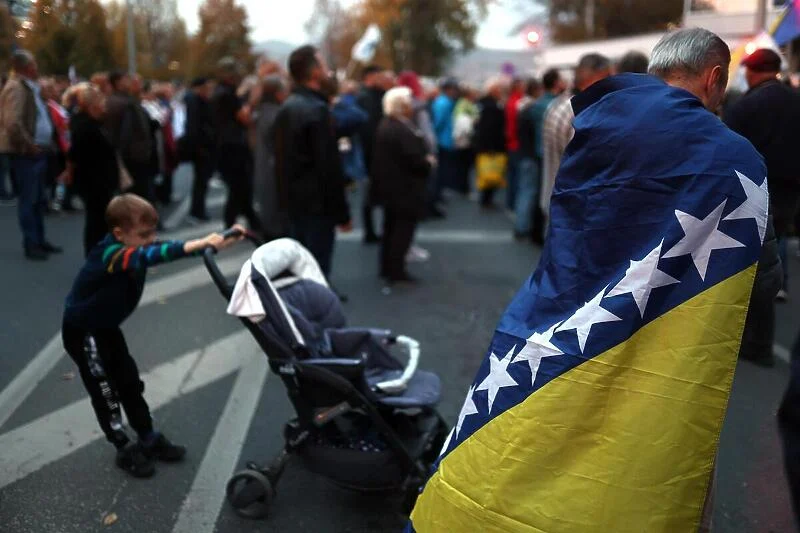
x,y
34,372
782,352
182,210
203,503
51,437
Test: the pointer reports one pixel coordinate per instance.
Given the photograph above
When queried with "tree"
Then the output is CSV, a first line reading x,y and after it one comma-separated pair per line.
x,y
422,35
91,51
578,20
162,43
48,37
223,32
166,39
7,29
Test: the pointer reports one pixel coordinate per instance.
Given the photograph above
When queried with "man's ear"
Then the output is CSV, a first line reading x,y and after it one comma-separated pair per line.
x,y
714,79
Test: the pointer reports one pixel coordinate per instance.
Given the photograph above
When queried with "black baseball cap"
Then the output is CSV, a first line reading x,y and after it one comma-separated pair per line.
x,y
763,60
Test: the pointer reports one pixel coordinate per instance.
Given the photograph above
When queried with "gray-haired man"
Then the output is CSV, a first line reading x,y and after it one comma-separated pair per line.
x,y
26,134
698,61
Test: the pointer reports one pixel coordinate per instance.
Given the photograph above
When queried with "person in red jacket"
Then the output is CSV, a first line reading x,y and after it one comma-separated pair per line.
x,y
515,94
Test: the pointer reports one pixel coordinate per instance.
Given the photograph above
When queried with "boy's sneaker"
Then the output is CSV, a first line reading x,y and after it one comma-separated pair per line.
x,y
162,449
132,459
782,296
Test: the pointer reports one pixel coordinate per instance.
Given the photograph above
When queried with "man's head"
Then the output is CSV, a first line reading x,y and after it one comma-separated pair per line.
x,y
24,64
47,88
228,71
696,60
450,88
273,89
371,76
132,220
101,80
201,86
553,82
307,67
762,65
591,69
633,62
533,88
119,82
517,86
138,88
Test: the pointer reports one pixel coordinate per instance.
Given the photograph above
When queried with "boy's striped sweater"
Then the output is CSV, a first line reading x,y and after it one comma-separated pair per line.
x,y
110,284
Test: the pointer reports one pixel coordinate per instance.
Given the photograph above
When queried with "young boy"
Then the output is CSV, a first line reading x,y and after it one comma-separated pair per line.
x,y
106,291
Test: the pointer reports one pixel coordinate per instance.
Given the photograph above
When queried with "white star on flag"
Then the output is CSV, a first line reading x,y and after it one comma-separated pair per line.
x,y
755,206
586,317
701,237
447,441
498,377
537,347
641,278
467,409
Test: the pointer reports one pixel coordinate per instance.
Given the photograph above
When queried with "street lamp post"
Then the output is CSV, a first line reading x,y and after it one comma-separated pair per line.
x,y
131,40
761,16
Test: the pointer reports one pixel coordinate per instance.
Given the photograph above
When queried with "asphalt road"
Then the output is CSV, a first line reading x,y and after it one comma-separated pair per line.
x,y
207,383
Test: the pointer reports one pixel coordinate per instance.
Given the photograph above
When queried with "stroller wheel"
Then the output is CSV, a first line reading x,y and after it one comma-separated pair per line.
x,y
250,493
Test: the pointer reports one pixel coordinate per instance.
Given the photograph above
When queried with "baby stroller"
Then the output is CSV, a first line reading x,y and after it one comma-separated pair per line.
x,y
363,419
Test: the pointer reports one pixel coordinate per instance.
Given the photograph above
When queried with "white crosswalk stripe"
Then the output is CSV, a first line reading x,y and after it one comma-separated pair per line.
x,y
16,392
64,431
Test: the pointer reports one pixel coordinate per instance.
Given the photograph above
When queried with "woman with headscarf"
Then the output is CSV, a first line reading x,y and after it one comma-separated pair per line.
x,y
400,169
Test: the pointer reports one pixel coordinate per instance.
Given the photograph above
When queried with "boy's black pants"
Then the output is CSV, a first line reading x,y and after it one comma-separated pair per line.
x,y
124,387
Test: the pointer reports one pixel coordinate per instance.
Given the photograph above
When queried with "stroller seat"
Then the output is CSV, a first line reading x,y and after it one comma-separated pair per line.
x,y
422,390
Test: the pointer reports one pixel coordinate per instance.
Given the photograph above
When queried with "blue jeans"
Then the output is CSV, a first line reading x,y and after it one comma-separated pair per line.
x,y
4,177
512,177
527,193
317,233
31,171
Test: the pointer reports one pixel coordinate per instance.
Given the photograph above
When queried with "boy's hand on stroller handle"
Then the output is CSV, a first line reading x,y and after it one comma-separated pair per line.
x,y
217,241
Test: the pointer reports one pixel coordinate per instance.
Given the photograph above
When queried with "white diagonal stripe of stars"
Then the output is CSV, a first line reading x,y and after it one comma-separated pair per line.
x,y
701,238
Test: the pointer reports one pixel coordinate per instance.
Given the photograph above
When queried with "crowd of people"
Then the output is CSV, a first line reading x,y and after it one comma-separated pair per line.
x,y
289,144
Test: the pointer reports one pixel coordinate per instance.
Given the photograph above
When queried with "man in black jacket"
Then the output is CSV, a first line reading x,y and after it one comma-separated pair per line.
x,y
768,116
370,99
311,182
197,144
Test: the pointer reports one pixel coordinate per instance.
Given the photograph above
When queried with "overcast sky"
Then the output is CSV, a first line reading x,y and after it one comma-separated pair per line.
x,y
288,26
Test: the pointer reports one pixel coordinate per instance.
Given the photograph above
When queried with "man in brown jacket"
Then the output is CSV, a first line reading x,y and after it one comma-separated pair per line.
x,y
26,134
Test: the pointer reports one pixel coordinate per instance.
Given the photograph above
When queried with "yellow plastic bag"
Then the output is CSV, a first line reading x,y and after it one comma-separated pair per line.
x,y
491,170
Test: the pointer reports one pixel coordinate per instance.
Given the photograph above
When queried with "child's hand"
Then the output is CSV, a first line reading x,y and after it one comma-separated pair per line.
x,y
213,240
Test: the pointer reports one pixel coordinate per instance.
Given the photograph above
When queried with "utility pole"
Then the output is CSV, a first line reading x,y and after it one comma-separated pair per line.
x,y
589,18
131,40
687,9
761,16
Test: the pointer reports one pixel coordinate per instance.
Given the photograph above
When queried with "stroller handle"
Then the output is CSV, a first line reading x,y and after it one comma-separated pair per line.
x,y
398,385
209,258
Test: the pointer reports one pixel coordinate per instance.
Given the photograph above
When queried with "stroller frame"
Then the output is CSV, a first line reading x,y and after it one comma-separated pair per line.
x,y
251,492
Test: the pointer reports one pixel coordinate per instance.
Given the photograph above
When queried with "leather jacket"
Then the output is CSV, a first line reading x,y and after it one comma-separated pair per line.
x,y
308,168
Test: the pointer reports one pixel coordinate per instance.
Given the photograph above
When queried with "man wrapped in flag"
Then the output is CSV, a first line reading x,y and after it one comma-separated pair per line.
x,y
601,399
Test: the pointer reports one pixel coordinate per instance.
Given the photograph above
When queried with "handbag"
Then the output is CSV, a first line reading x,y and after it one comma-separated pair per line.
x,y
491,170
